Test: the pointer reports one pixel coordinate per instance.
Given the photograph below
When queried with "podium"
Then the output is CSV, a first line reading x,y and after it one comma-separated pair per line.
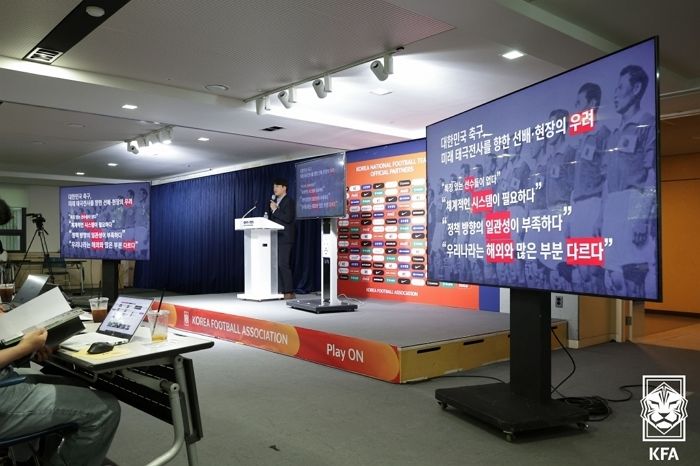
x,y
260,245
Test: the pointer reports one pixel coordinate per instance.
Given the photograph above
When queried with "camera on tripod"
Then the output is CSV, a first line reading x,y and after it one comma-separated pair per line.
x,y
38,220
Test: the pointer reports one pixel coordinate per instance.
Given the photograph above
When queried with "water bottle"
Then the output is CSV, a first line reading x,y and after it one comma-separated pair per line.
x,y
265,214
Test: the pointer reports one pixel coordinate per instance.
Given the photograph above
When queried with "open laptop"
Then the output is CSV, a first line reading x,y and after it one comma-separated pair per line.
x,y
31,288
119,326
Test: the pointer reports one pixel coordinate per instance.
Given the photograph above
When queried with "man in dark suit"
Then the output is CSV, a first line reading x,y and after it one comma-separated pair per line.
x,y
283,211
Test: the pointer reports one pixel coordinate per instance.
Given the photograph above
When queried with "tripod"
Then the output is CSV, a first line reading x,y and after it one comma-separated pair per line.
x,y
41,233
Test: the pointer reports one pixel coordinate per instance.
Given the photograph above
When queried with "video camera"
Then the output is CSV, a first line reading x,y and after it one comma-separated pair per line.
x,y
38,220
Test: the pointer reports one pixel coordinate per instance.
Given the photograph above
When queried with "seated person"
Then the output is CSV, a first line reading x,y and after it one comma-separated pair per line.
x,y
35,405
3,256
42,402
3,263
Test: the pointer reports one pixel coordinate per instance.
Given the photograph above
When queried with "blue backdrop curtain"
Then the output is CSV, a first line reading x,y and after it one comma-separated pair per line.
x,y
194,248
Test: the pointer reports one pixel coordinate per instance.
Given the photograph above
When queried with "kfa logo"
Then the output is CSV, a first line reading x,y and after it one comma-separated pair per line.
x,y
663,454
187,318
664,411
664,408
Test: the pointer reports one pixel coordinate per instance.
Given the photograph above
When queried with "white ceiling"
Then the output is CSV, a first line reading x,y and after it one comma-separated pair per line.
x,y
158,54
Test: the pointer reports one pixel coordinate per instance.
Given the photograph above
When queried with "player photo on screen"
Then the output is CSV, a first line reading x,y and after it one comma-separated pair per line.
x,y
553,187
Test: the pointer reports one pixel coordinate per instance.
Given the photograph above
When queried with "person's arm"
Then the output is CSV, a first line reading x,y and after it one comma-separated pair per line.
x,y
286,211
31,343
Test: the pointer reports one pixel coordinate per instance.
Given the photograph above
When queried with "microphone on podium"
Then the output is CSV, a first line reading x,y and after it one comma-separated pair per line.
x,y
250,210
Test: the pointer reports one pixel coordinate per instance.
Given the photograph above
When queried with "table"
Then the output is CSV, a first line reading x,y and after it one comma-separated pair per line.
x,y
17,264
152,377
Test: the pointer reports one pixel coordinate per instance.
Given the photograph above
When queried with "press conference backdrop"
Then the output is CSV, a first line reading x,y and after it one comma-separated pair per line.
x,y
553,187
194,247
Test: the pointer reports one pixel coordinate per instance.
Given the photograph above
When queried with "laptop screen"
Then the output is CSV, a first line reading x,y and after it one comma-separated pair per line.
x,y
31,288
124,318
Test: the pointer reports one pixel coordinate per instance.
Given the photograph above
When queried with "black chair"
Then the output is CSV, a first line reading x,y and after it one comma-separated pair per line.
x,y
56,266
9,442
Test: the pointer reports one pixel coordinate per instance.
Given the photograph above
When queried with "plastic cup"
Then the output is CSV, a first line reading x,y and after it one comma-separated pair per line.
x,y
158,325
98,307
7,290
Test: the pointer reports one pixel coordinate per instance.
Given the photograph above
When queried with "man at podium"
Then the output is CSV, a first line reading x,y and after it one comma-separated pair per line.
x,y
282,210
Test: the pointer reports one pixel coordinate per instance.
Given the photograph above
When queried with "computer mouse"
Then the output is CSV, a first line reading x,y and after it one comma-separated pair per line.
x,y
100,347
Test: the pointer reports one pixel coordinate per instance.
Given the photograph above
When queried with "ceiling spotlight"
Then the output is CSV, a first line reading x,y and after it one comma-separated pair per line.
x,y
80,173
203,139
262,104
112,164
130,106
322,86
286,97
319,88
133,147
382,71
165,135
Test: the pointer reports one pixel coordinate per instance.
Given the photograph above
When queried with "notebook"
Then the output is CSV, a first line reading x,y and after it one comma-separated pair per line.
x,y
31,288
50,311
119,326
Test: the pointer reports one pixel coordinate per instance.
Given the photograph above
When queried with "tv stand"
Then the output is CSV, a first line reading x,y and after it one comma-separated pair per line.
x,y
329,301
110,279
524,404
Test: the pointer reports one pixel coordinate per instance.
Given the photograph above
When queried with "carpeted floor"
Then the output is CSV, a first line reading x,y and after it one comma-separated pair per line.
x,y
261,408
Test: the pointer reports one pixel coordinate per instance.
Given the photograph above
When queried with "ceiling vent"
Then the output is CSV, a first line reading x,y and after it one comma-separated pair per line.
x,y
42,55
272,128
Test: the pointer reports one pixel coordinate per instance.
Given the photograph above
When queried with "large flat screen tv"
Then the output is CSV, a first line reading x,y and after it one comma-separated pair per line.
x,y
554,187
321,187
109,221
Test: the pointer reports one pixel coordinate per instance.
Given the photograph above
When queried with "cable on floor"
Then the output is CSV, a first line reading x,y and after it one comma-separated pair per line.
x,y
573,363
597,406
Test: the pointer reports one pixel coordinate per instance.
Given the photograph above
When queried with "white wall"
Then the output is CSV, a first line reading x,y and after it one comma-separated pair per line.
x,y
41,200
566,307
15,195
44,200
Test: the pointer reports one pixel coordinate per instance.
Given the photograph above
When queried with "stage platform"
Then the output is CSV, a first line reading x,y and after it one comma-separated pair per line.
x,y
388,340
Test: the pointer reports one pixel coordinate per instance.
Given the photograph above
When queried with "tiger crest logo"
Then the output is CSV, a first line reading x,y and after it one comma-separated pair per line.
x,y
664,408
